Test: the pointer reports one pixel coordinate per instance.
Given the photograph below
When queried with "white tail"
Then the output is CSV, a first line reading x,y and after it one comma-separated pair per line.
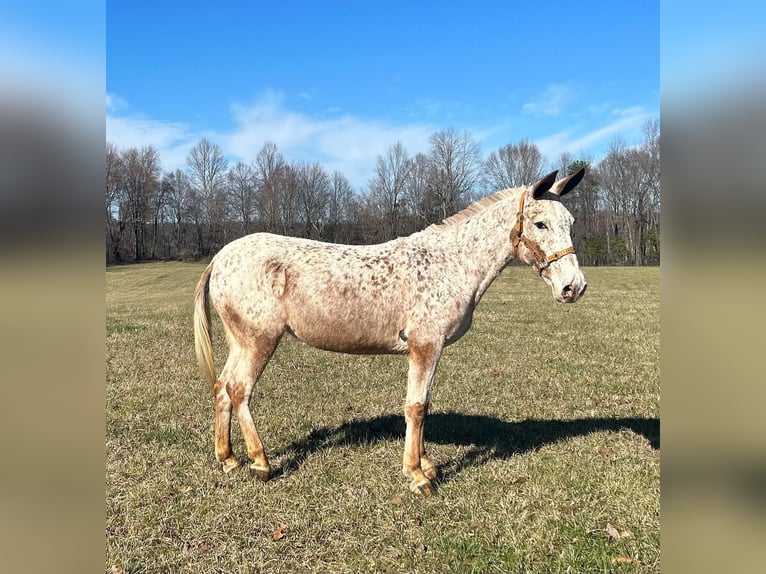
x,y
203,344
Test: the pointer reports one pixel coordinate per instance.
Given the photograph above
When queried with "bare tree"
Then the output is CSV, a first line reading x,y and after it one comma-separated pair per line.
x,y
454,161
141,170
561,164
651,147
242,194
114,177
371,218
612,173
177,188
514,165
340,207
313,198
193,213
268,164
420,204
388,187
629,178
207,171
280,194
194,210
157,209
584,206
115,226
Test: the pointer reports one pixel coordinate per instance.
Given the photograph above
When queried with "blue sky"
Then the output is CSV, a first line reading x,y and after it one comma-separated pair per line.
x,y
338,82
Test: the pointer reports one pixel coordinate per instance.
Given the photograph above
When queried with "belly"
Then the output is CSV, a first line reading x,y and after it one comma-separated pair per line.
x,y
346,337
345,324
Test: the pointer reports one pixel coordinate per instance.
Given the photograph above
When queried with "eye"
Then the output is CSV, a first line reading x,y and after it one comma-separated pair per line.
x,y
540,225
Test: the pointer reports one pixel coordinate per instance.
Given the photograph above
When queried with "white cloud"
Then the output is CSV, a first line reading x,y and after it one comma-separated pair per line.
x,y
115,103
345,143
625,123
172,140
551,102
342,142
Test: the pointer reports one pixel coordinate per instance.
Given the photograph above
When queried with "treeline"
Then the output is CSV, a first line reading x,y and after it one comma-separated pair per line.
x,y
190,213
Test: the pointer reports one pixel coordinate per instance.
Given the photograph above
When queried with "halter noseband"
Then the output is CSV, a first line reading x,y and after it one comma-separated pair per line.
x,y
542,261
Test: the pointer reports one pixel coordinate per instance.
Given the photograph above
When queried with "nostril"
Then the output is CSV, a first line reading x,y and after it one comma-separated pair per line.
x,y
582,291
567,291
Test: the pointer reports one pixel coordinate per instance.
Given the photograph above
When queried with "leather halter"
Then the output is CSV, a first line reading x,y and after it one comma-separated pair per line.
x,y
542,261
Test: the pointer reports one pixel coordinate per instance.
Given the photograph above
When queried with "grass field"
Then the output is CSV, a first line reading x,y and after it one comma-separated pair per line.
x,y
544,421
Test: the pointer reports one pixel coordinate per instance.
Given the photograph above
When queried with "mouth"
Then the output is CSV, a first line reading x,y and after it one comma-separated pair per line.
x,y
570,293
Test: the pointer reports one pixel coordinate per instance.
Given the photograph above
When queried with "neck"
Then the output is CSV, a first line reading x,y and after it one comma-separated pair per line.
x,y
483,243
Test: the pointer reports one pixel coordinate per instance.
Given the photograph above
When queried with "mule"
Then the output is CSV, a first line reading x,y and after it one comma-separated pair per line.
x,y
413,295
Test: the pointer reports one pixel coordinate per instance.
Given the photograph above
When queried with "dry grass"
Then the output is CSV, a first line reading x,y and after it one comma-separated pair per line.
x,y
545,422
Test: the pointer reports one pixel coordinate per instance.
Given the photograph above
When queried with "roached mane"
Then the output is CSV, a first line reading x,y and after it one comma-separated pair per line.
x,y
477,207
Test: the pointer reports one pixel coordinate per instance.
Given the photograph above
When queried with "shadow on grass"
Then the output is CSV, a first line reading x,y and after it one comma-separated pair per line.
x,y
487,437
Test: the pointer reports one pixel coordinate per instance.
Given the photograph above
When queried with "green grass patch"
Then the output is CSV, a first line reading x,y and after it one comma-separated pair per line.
x,y
544,421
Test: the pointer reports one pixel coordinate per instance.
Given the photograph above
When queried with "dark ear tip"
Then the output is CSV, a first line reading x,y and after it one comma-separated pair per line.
x,y
569,183
544,184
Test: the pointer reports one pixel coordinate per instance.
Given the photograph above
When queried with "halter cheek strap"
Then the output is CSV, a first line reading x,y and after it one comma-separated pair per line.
x,y
542,261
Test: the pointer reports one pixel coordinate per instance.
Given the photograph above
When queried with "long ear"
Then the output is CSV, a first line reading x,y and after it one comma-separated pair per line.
x,y
543,184
567,184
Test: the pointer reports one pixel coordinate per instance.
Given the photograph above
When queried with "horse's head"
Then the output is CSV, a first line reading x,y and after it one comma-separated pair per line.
x,y
542,236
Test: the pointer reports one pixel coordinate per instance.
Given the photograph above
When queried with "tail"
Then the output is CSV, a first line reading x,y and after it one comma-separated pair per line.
x,y
203,344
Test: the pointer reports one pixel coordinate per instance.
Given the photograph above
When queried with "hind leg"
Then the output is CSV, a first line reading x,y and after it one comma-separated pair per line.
x,y
223,406
250,364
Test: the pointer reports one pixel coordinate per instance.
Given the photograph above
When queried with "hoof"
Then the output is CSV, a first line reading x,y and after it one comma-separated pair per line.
x,y
229,464
262,474
429,471
423,488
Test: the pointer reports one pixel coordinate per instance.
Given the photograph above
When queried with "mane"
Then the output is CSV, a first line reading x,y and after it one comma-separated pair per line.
x,y
477,207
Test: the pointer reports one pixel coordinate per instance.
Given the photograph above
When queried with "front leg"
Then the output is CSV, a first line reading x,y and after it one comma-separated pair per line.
x,y
423,358
426,464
